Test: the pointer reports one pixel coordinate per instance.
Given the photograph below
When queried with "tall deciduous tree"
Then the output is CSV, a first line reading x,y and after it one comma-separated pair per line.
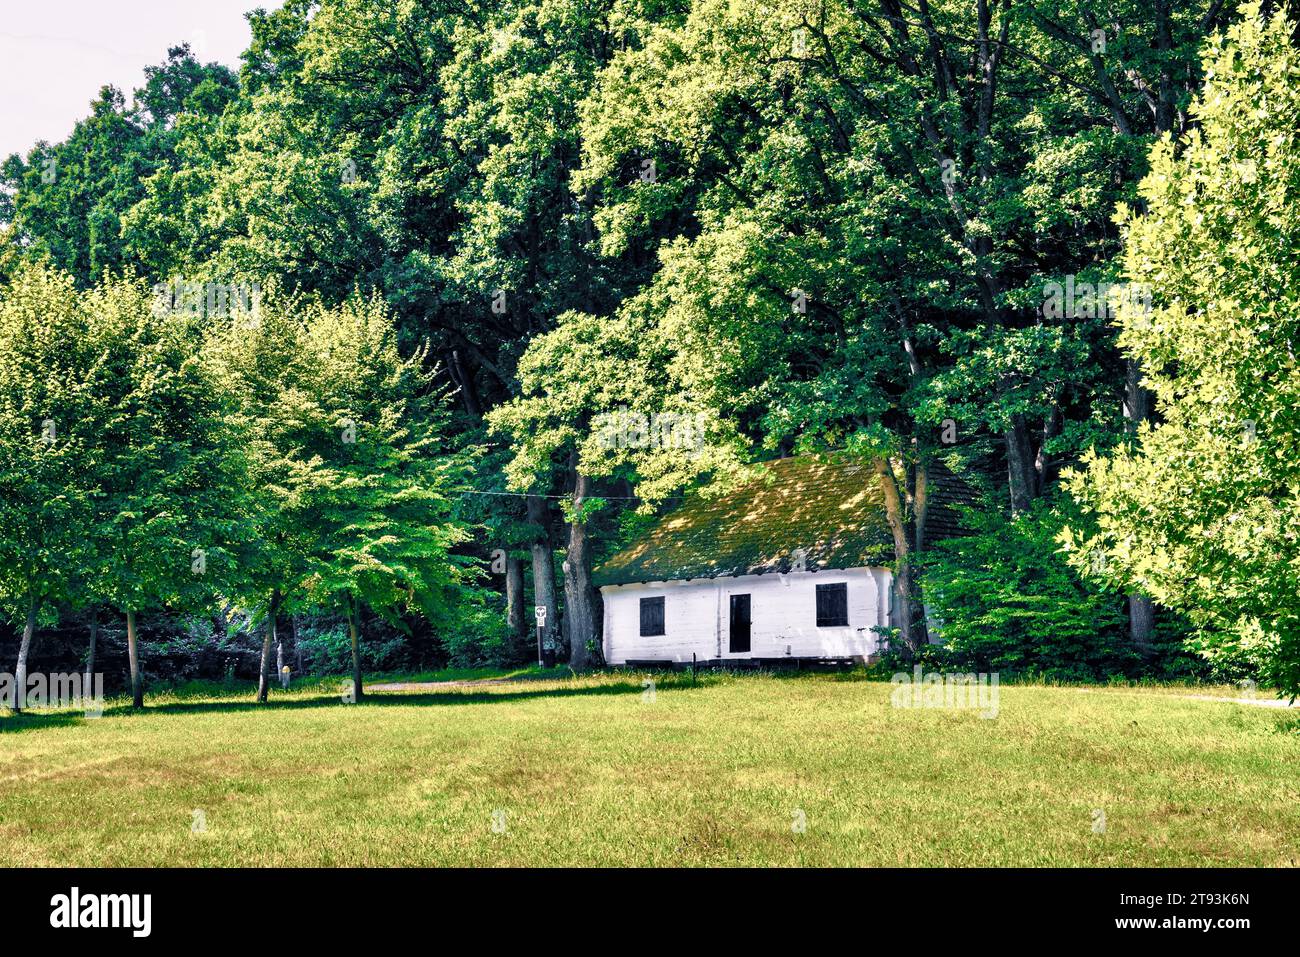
x,y
372,482
254,354
1201,509
855,207
167,472
51,377
1140,63
71,202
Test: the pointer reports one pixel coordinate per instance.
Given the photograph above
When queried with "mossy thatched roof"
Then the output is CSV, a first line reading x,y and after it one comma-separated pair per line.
x,y
831,510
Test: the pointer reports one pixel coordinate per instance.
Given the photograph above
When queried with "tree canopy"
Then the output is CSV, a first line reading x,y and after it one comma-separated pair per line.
x,y
1200,510
426,290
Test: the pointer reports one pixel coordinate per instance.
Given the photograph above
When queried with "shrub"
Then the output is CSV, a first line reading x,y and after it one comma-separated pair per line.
x,y
1005,600
476,634
327,649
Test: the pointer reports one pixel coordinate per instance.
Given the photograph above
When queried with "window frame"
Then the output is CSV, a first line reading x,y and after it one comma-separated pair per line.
x,y
831,588
652,601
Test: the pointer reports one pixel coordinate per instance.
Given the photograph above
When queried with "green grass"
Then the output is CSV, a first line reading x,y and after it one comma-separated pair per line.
x,y
588,772
471,674
234,690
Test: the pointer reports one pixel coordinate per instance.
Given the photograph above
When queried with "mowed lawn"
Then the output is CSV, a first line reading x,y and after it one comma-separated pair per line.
x,y
735,770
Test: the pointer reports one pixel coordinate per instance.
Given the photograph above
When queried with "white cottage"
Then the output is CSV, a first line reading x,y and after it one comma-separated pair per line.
x,y
796,565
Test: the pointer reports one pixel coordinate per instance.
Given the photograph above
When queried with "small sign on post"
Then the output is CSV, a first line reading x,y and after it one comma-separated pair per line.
x,y
539,611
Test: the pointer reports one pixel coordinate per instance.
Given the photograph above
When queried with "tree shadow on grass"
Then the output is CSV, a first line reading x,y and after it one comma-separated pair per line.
x,y
31,721
635,684
38,720
386,699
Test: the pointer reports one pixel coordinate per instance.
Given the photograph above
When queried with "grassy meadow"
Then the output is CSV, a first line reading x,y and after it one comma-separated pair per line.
x,y
730,770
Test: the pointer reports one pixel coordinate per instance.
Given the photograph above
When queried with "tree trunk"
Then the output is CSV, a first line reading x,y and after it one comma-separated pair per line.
x,y
1164,43
464,380
297,648
1137,398
353,614
911,614
921,505
581,602
29,630
268,639
543,567
133,653
286,644
1137,409
1141,623
1020,465
94,636
911,618
1044,465
515,619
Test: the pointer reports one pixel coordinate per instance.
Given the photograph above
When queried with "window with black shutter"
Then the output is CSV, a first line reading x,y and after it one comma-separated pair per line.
x,y
652,616
832,605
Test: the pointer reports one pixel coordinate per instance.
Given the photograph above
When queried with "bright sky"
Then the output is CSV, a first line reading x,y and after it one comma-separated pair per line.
x,y
56,54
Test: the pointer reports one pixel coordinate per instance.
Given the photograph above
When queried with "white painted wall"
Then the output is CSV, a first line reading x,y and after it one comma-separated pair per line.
x,y
783,610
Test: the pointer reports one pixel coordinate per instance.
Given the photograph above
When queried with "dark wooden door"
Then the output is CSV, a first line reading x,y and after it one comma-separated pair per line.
x,y
739,623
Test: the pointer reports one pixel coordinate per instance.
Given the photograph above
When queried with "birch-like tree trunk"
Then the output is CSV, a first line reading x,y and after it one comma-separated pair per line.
x,y
543,566
515,618
133,654
90,654
268,640
29,630
354,633
581,602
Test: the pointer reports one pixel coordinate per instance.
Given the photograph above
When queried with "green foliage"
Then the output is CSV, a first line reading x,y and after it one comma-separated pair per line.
x,y
72,202
1201,511
51,377
167,478
478,635
1007,601
117,462
351,481
327,649
290,449
798,151
799,226
374,487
